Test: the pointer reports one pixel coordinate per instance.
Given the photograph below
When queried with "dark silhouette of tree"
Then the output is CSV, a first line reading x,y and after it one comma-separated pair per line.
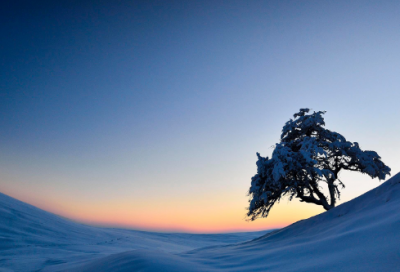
x,y
307,156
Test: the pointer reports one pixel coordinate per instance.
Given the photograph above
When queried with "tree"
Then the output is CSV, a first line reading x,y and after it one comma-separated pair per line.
x,y
307,157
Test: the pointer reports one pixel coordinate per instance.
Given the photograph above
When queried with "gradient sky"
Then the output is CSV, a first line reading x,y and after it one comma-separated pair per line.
x,y
149,114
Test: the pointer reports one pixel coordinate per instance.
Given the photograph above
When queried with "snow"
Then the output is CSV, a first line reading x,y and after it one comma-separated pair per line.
x,y
360,235
307,157
34,240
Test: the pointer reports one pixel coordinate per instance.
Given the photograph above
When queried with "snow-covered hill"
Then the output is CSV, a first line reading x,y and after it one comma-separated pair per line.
x,y
360,235
34,240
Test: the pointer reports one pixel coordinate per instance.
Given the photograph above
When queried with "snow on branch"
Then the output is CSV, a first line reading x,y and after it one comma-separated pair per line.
x,y
308,154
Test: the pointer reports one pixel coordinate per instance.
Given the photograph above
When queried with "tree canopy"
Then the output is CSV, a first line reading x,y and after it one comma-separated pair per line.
x,y
307,157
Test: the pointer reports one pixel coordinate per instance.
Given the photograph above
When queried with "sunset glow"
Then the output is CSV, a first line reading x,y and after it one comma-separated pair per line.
x,y
150,116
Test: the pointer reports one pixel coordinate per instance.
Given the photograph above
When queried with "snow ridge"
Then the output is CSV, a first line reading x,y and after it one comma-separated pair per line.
x,y
360,235
35,240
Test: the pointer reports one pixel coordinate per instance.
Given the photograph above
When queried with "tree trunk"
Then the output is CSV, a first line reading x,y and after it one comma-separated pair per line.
x,y
312,199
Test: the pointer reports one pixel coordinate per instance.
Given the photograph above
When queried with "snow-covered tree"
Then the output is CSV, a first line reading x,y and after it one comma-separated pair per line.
x,y
307,156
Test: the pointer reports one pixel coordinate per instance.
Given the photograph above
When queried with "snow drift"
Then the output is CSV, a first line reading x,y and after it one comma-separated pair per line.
x,y
34,240
360,235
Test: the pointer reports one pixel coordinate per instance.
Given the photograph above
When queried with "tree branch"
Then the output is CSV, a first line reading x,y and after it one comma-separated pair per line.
x,y
308,199
322,198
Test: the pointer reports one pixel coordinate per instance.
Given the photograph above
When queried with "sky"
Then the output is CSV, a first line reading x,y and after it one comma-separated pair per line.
x,y
148,114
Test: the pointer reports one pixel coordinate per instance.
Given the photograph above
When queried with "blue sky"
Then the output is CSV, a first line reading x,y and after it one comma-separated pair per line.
x,y
154,101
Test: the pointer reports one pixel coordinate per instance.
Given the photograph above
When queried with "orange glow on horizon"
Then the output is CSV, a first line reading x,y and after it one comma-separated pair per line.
x,y
222,214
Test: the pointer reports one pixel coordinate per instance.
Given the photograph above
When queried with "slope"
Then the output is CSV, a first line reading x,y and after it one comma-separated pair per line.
x,y
360,235
34,240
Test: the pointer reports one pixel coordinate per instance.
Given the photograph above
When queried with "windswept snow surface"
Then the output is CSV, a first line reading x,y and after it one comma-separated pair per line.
x,y
34,240
360,235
